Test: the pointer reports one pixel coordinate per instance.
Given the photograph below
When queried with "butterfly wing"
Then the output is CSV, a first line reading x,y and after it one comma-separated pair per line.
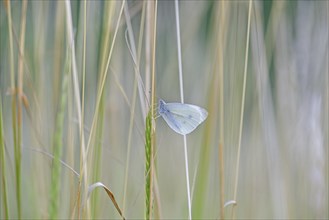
x,y
183,118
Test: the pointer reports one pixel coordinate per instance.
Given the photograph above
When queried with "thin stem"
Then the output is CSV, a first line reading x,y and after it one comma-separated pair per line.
x,y
83,167
222,30
132,48
180,68
83,64
187,179
4,198
242,111
152,103
180,71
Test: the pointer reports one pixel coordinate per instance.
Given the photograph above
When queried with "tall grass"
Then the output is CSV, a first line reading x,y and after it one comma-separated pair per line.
x,y
58,144
79,132
148,158
4,198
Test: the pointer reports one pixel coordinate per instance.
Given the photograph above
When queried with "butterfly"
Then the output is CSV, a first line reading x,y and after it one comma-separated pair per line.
x,y
182,118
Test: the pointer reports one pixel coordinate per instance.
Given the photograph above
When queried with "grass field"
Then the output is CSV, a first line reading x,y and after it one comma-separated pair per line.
x,y
80,135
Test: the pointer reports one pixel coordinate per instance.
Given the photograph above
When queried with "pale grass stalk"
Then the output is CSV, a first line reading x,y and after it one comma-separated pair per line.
x,y
83,166
137,78
97,152
20,99
11,48
13,107
99,123
131,123
148,43
20,78
83,65
180,72
103,80
81,121
81,131
4,198
241,112
107,20
98,101
158,214
152,173
221,37
71,129
132,48
141,33
132,112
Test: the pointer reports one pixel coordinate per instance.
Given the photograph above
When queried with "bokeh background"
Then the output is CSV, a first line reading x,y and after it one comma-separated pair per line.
x,y
51,107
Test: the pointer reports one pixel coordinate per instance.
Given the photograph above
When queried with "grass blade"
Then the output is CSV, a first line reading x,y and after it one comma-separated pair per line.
x,y
58,144
148,158
109,193
3,165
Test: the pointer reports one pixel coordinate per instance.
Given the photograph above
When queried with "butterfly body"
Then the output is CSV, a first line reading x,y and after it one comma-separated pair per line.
x,y
182,118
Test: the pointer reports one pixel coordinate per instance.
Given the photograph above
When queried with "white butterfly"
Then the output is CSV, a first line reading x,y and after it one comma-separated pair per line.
x,y
182,118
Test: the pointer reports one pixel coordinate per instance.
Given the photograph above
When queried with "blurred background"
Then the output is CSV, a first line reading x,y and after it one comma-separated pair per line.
x,y
53,103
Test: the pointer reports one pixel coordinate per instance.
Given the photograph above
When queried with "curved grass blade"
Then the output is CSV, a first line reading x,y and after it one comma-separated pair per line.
x,y
109,193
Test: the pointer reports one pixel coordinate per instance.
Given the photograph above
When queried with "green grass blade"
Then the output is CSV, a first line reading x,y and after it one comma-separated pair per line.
x,y
148,157
98,155
58,144
3,166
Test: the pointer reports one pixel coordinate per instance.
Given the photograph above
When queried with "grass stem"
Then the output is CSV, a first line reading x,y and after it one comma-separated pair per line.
x,y
242,112
181,87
